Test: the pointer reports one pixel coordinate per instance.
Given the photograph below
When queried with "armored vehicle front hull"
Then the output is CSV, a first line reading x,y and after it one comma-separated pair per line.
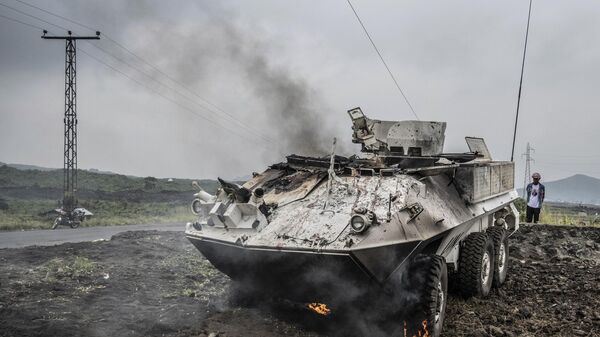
x,y
303,242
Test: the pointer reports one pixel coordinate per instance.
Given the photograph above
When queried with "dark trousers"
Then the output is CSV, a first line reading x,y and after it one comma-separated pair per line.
x,y
533,213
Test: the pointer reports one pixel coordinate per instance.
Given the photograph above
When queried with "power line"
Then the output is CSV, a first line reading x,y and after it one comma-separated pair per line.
x,y
188,109
56,15
142,84
21,22
239,123
243,126
31,16
382,60
155,68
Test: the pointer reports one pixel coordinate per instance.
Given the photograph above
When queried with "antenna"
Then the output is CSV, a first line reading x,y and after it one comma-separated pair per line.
x,y
70,118
512,154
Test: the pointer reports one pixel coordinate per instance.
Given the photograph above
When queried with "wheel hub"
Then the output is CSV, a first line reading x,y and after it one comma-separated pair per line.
x,y
485,268
501,258
440,302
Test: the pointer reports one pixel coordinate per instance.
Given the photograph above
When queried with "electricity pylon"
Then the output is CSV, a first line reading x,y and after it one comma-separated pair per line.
x,y
70,119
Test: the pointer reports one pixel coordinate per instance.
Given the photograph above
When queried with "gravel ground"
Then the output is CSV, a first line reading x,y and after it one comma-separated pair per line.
x,y
150,283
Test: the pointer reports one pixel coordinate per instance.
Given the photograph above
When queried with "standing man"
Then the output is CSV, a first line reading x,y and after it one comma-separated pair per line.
x,y
535,196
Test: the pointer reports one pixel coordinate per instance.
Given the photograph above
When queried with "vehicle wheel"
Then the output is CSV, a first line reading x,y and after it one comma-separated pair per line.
x,y
500,240
196,208
476,265
56,223
430,280
75,224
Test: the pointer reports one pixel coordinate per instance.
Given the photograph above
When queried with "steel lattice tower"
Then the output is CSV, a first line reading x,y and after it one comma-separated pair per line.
x,y
70,119
528,160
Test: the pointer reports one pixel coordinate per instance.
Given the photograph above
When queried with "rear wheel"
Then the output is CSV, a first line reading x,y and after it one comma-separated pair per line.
x,y
75,223
476,265
500,239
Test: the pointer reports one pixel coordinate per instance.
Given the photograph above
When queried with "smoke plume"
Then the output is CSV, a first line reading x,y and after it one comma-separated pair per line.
x,y
235,63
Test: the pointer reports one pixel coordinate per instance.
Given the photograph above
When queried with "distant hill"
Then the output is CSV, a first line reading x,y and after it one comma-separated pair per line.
x,y
28,167
18,178
25,167
575,189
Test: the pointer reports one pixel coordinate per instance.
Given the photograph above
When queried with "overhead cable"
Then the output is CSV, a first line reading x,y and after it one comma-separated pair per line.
x,y
382,60
512,154
211,106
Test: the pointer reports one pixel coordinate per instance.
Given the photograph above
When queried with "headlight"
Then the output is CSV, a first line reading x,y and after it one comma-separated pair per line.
x,y
359,223
197,207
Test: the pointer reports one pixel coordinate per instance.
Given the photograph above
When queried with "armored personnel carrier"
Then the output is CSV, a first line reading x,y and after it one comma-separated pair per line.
x,y
387,230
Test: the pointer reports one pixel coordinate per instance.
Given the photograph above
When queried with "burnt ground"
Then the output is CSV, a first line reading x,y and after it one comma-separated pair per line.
x,y
156,284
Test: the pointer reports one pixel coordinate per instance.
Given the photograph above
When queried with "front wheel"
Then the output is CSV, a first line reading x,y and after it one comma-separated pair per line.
x,y
428,278
56,223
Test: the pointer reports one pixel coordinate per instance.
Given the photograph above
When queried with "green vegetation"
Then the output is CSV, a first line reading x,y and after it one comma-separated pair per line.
x,y
564,214
28,196
71,267
31,214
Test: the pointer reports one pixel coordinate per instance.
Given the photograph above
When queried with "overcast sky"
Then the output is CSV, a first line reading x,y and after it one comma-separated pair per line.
x,y
283,74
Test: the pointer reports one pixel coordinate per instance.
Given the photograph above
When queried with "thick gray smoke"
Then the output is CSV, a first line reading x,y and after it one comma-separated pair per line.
x,y
290,106
235,63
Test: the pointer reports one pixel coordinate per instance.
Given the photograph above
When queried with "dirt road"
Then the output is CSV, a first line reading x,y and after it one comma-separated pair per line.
x,y
156,284
48,237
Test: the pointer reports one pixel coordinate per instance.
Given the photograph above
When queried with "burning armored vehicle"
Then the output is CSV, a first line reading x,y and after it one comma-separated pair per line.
x,y
389,229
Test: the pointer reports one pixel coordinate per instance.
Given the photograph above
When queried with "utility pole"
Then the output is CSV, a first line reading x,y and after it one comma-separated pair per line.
x,y
528,160
70,119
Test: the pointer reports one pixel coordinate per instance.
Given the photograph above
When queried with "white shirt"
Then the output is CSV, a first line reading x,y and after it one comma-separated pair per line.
x,y
534,198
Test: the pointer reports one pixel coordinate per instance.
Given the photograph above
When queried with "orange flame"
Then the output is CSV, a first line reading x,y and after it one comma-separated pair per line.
x,y
422,332
319,308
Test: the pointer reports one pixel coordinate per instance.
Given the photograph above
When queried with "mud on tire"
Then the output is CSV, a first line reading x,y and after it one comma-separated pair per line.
x,y
501,250
476,265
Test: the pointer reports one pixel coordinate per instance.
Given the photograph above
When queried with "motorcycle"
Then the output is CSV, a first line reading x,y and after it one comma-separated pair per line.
x,y
72,219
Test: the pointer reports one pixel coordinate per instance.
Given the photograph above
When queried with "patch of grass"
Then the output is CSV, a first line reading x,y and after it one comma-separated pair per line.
x,y
558,214
73,268
30,214
201,280
554,217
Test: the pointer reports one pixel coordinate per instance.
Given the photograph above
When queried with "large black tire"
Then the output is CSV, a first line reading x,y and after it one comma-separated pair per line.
x,y
476,265
75,223
500,239
428,278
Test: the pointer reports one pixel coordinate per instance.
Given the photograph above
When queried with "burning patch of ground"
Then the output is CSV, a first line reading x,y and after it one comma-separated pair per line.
x,y
157,284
